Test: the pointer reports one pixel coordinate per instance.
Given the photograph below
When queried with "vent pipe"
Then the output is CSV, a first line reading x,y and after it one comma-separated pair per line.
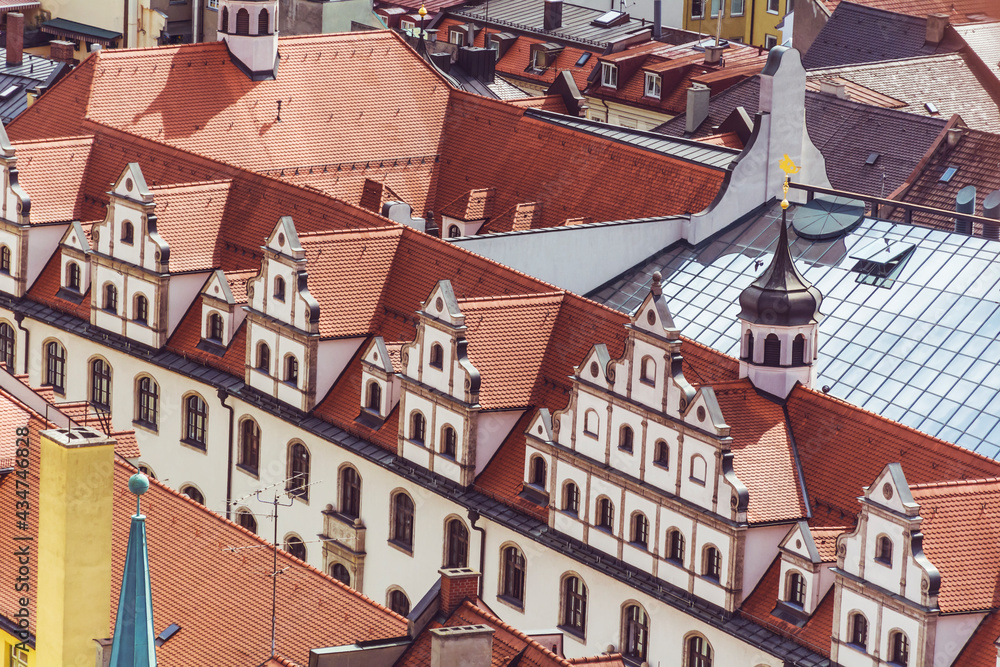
x,y
657,19
965,202
991,209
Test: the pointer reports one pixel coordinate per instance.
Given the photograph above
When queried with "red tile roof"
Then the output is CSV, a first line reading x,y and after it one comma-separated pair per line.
x,y
958,11
826,541
45,290
52,173
553,103
188,334
842,448
981,651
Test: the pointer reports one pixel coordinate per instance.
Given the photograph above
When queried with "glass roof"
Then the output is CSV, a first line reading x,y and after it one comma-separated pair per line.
x,y
920,348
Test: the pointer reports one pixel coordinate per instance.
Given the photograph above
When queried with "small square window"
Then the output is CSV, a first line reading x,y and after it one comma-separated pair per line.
x,y
652,85
770,41
609,75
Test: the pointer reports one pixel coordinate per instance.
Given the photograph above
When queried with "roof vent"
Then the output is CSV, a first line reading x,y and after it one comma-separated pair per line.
x,y
954,134
931,108
880,262
835,87
965,202
872,158
936,23
991,209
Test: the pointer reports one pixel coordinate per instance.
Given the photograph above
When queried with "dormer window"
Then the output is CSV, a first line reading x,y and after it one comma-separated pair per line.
x,y
795,589
279,288
538,59
640,530
698,469
883,550
454,232
538,471
662,454
73,276
111,298
591,423
291,370
141,310
652,86
5,260
571,498
215,327
609,75
437,356
899,649
128,233
264,358
675,547
374,402
456,37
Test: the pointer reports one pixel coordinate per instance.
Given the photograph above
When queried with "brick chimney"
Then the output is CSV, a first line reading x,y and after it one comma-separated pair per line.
x,y
62,51
553,14
466,645
697,106
15,38
457,584
833,87
936,23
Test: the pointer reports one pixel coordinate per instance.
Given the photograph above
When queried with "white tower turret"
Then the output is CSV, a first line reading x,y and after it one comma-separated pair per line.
x,y
250,30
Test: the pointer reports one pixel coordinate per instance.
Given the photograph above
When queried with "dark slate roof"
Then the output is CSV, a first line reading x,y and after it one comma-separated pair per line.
x,y
858,34
32,71
59,26
845,132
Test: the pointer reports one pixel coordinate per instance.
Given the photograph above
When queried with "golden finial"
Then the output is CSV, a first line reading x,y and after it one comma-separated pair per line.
x,y
423,12
789,168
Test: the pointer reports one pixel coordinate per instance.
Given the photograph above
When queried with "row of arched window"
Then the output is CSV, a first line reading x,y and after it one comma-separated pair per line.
x,y
243,22
448,443
772,349
899,643
140,305
290,365
626,443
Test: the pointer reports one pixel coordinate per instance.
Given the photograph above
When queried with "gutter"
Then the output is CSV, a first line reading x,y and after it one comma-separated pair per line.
x,y
473,518
223,395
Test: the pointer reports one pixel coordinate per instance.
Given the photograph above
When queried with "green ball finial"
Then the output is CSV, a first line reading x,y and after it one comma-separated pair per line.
x,y
138,484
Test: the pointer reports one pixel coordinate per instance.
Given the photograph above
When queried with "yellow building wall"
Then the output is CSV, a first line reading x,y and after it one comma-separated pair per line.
x,y
8,643
755,16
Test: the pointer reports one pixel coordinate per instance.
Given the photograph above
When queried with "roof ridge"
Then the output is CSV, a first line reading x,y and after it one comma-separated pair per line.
x,y
869,8
517,633
321,236
954,483
190,185
511,297
896,62
30,143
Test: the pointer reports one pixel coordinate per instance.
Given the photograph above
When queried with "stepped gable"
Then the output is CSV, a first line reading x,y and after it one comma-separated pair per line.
x,y
763,453
620,181
842,448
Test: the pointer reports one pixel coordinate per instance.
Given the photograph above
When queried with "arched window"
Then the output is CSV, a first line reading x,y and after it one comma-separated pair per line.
x,y
374,401
591,423
263,22
648,370
795,589
417,426
399,603
279,283
574,602
675,547
749,339
712,563
883,550
196,421
55,366
338,571
772,350
110,298
635,633
249,445
298,470
5,260
141,310
661,454
73,276
571,498
100,385
242,22
605,514
625,437
699,652
147,402
215,327
449,442
295,546
245,518
698,469
264,358
291,370
538,471
128,233
899,649
640,530
146,470
457,548
350,493
402,521
437,356
7,343
224,24
454,232
513,575
858,630
799,350
193,493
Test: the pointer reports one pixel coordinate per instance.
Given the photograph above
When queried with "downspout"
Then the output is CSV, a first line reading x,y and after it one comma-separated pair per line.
x,y
223,395
473,518
753,15
195,21
19,318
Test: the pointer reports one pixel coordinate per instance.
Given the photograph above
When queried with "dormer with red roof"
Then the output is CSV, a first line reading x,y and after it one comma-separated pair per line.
x,y
886,588
807,560
641,462
439,407
283,322
379,380
221,312
250,30
74,261
130,264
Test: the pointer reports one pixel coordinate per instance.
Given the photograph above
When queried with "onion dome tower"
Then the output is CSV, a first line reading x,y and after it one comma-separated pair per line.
x,y
250,30
779,320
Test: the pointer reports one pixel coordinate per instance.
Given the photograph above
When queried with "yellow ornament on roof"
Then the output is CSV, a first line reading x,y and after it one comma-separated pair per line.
x,y
423,12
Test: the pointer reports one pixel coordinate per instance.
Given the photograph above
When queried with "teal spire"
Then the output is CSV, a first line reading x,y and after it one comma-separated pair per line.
x,y
134,641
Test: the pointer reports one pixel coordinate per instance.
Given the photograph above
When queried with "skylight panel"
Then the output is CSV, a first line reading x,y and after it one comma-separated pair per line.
x,y
9,91
583,59
948,173
931,108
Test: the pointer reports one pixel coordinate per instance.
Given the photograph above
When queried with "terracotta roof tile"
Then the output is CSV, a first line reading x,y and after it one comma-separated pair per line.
x,y
857,93
188,334
958,11
826,541
52,172
46,287
981,650
189,218
553,103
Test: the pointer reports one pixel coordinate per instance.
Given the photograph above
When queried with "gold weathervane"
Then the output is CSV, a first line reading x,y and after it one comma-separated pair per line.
x,y
789,168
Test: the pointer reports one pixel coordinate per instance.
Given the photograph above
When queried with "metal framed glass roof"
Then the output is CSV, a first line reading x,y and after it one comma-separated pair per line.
x,y
920,346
